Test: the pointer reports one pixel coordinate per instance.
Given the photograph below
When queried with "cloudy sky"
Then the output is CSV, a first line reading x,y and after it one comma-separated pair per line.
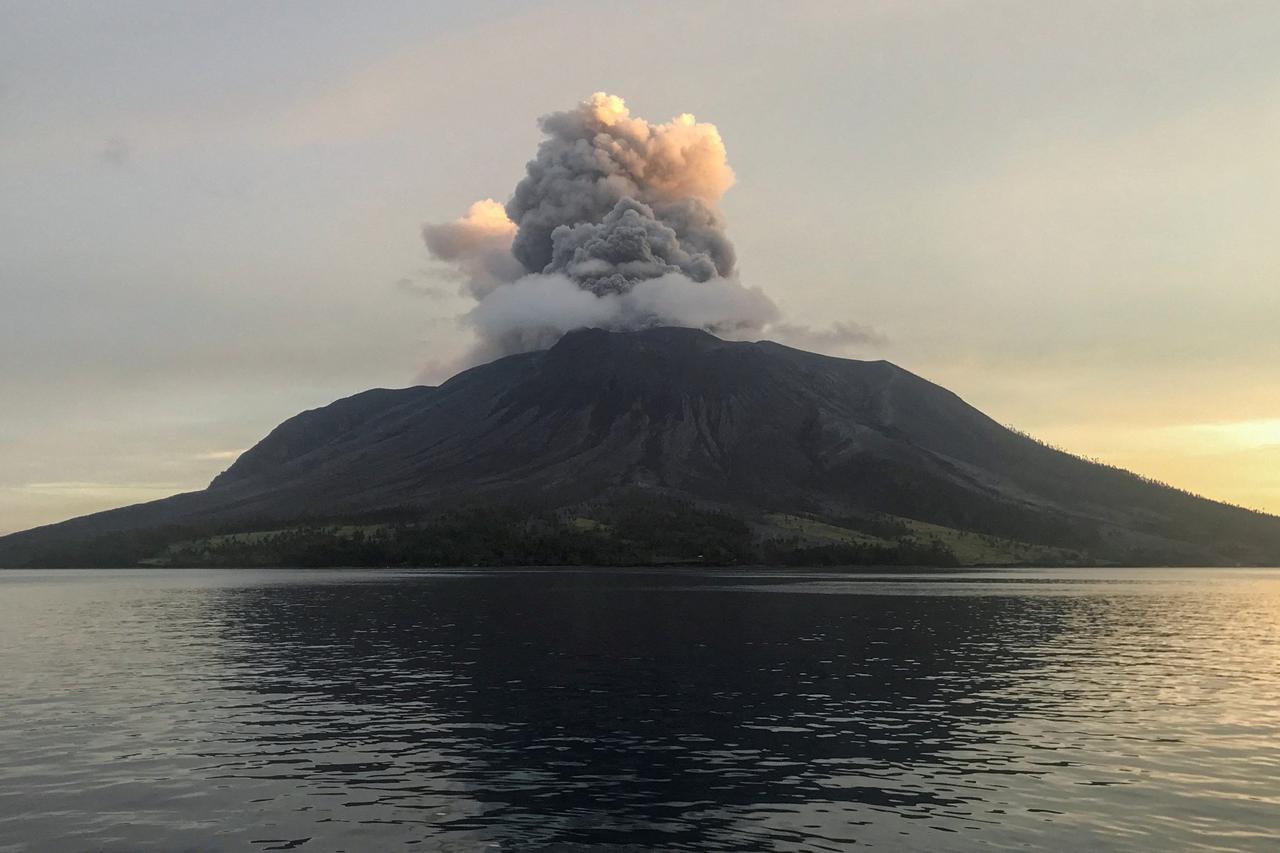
x,y
1069,214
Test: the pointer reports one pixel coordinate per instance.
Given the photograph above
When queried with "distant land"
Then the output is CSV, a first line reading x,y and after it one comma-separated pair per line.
x,y
661,446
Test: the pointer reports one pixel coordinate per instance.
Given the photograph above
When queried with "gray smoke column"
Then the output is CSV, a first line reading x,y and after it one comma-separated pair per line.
x,y
614,225
611,200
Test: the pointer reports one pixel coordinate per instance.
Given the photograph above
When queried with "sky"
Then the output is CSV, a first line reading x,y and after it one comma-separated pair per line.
x,y
211,213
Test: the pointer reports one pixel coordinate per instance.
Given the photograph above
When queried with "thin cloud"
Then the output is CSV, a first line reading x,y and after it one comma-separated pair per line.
x,y
219,455
116,151
91,487
838,337
417,287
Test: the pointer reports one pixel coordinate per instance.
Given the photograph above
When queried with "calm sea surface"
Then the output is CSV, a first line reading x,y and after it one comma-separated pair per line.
x,y
629,710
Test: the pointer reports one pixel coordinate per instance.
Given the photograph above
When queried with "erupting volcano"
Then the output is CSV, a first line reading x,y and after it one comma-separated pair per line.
x,y
617,410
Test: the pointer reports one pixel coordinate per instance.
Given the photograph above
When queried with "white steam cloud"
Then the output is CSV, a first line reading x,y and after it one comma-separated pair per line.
x,y
615,226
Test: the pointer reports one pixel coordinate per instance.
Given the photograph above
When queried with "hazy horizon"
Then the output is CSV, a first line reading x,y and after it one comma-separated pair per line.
x,y
213,215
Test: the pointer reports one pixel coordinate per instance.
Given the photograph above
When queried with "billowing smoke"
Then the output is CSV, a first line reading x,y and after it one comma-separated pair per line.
x,y
614,225
478,246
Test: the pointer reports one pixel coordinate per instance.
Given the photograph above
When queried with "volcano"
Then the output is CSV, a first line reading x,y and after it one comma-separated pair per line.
x,y
779,452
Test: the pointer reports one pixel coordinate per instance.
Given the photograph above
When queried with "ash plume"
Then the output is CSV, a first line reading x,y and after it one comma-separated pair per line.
x,y
614,225
477,247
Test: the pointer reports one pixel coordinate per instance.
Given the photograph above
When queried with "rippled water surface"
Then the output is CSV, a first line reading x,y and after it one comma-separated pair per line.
x,y
627,710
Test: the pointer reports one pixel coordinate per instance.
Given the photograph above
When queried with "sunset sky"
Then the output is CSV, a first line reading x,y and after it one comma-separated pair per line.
x,y
1068,214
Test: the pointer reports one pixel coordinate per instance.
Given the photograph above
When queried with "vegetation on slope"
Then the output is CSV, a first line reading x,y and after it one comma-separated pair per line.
x,y
632,529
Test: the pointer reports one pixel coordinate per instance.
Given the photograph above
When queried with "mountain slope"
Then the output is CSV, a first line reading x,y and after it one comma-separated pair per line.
x,y
747,428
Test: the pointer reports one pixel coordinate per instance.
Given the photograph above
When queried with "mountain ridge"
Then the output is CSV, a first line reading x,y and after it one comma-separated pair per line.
x,y
750,430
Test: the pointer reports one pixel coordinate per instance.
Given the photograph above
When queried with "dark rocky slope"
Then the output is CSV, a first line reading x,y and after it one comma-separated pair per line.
x,y
748,428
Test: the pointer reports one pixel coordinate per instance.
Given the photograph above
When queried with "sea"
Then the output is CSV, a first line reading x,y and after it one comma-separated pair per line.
x,y
627,710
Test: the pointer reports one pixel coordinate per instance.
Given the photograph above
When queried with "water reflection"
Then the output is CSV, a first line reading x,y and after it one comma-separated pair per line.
x,y
629,710
589,709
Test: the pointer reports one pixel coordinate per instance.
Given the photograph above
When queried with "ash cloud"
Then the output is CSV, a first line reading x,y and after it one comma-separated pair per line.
x,y
598,160
614,225
477,247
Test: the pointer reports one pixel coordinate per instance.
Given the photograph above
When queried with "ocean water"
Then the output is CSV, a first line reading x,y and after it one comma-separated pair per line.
x,y
639,710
